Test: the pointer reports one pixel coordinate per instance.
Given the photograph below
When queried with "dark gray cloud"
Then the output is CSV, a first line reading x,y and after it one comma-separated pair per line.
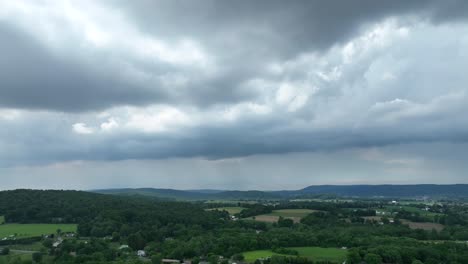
x,y
242,36
122,82
275,28
32,77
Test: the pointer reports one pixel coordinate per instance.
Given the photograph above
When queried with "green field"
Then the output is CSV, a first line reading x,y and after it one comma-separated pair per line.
x,y
292,212
411,209
2,219
313,253
30,230
36,246
231,210
10,258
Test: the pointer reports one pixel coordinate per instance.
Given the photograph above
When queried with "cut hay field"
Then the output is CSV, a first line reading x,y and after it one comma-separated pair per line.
x,y
31,230
413,225
425,225
294,214
231,210
313,253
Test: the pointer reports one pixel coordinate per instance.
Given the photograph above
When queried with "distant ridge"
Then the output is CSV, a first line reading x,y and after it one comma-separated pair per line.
x,y
388,190
385,190
192,194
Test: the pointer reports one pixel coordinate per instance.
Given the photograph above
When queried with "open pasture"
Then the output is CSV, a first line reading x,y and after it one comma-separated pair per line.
x,y
313,253
271,218
231,210
412,209
294,214
31,230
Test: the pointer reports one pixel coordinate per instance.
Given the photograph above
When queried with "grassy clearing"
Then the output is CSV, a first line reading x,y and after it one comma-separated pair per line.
x,y
428,226
37,246
231,210
313,253
411,209
292,212
2,219
10,258
251,256
269,218
31,230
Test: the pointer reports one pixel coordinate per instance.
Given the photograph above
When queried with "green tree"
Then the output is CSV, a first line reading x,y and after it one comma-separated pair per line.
x,y
156,259
285,222
372,258
354,257
37,257
5,251
136,241
238,257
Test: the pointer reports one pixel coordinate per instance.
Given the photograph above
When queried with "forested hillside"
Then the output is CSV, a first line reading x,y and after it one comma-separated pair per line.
x,y
113,229
99,215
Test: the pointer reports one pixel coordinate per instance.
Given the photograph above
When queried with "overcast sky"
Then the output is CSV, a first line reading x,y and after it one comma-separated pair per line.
x,y
232,94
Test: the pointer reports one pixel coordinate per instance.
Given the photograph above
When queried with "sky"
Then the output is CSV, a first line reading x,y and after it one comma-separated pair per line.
x,y
244,95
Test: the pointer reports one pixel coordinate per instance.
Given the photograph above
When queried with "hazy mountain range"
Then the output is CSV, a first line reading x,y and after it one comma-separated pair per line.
x,y
400,191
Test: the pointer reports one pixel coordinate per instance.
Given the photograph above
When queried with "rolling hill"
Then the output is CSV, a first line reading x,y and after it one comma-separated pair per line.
x,y
390,191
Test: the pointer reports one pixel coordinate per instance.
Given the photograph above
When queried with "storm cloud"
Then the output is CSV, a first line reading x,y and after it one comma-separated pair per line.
x,y
147,82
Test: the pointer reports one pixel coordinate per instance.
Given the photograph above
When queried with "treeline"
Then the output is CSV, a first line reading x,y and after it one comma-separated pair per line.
x,y
100,215
179,230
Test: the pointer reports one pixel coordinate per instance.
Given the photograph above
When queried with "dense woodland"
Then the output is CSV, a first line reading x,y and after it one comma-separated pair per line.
x,y
183,230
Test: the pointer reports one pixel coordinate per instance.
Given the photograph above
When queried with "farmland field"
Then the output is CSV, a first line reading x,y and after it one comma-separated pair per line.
x,y
2,219
294,214
231,210
15,256
424,225
413,225
411,209
30,230
313,253
270,218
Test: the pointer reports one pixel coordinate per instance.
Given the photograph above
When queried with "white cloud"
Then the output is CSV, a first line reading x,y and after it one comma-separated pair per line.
x,y
81,128
9,114
157,119
111,124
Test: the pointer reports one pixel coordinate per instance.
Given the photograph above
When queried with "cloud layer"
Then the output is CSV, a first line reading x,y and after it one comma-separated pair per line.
x,y
156,80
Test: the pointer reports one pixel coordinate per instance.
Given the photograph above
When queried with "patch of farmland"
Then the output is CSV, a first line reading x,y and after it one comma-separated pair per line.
x,y
293,212
31,230
271,218
313,253
424,225
231,210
